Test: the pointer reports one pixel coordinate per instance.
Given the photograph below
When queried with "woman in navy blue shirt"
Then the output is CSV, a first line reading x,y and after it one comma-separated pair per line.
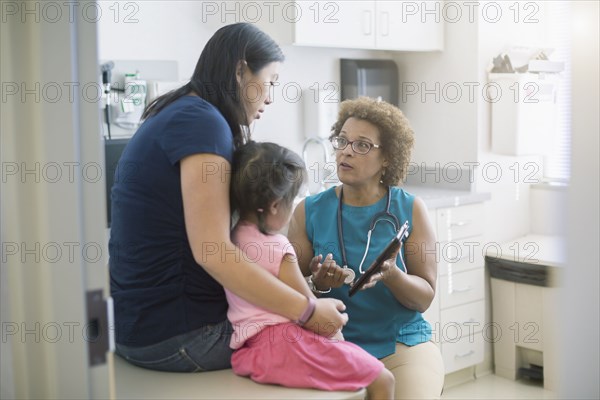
x,y
170,247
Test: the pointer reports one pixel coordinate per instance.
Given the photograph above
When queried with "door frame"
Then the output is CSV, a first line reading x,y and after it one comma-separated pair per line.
x,y
53,205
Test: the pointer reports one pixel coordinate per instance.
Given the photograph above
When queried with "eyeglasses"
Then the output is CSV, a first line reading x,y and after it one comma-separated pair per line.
x,y
358,146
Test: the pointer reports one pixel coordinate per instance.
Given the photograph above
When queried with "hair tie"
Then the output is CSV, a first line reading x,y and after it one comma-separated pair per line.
x,y
260,210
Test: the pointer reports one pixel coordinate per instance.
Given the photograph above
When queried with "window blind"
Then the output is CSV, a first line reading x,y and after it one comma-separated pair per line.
x,y
557,164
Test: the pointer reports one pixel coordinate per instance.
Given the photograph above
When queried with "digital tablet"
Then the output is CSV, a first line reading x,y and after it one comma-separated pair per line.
x,y
386,254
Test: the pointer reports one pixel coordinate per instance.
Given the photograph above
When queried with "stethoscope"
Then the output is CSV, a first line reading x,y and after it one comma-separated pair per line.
x,y
380,216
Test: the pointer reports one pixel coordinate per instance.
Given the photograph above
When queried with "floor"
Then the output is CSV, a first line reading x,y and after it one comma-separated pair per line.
x,y
495,387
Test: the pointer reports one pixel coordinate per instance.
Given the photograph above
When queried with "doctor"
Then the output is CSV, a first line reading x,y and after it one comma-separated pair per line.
x,y
352,223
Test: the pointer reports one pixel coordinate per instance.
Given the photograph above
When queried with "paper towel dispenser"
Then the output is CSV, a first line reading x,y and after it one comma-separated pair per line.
x,y
371,78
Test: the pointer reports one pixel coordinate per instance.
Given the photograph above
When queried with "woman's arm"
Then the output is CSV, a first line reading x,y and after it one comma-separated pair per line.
x,y
415,289
205,182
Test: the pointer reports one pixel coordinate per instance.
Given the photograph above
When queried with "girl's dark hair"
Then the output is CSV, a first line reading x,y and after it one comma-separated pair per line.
x,y
263,173
214,78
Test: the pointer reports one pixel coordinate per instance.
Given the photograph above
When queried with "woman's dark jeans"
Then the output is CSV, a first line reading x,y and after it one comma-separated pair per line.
x,y
204,349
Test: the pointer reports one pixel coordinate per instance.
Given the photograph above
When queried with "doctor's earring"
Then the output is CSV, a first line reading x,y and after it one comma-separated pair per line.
x,y
382,175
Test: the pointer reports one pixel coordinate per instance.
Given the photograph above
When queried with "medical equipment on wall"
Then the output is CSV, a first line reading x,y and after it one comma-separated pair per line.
x,y
127,111
106,70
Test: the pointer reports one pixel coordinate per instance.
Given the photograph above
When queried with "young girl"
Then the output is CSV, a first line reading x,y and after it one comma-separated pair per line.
x,y
268,347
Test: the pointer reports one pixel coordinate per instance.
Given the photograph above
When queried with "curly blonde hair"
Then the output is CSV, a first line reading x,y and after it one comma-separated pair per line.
x,y
395,133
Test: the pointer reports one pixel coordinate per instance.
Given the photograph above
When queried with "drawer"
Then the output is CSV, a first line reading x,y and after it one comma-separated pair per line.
x,y
460,222
461,255
463,353
462,321
461,288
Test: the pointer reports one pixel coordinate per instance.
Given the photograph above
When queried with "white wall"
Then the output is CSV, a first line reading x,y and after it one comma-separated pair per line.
x,y
174,30
444,122
548,207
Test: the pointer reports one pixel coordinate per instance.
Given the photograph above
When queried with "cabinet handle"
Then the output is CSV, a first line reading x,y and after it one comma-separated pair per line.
x,y
460,223
465,289
463,355
367,22
385,23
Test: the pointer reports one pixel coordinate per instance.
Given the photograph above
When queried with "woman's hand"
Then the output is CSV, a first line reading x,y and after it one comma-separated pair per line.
x,y
328,274
328,318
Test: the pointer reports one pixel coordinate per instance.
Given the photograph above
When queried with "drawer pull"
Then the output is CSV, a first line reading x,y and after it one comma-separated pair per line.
x,y
463,290
463,355
460,223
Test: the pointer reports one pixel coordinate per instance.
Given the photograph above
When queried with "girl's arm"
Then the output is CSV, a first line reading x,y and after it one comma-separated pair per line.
x,y
289,273
205,182
297,236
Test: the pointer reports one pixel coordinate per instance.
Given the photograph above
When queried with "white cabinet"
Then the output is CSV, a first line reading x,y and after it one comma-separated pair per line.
x,y
381,25
335,24
409,25
457,313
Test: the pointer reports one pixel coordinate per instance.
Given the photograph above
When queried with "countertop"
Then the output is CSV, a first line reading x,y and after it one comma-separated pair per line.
x,y
546,250
437,198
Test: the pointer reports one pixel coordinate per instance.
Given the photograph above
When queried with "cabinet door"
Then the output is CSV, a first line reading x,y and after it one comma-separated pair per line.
x,y
335,24
409,25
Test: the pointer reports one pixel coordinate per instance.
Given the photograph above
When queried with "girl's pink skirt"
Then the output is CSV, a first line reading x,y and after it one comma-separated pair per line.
x,y
289,355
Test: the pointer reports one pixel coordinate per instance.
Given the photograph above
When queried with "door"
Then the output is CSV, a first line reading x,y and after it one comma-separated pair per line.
x,y
52,202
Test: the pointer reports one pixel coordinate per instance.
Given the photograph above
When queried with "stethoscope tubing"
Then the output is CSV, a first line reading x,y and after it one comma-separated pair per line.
x,y
383,215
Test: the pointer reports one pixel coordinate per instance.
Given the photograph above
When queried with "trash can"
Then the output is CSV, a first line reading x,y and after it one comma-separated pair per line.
x,y
525,276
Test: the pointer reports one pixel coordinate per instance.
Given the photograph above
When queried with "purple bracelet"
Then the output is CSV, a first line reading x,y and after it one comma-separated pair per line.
x,y
308,312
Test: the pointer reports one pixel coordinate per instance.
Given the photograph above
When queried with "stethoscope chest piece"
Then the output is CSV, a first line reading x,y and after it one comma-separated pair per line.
x,y
350,275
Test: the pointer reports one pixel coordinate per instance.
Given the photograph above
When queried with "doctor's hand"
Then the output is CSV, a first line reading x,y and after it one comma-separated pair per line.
x,y
388,269
328,274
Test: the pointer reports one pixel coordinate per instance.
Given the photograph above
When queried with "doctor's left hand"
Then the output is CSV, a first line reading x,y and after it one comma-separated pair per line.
x,y
388,269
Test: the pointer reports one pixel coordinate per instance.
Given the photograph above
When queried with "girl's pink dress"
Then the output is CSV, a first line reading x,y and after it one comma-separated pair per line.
x,y
272,349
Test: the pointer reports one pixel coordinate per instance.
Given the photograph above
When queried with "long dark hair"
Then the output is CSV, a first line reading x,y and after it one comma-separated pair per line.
x,y
261,174
214,78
